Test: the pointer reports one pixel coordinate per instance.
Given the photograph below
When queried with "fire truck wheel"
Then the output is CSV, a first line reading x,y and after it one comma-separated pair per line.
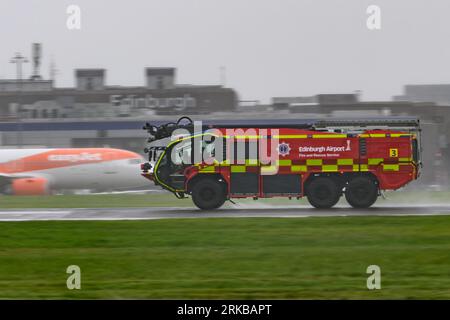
x,y
361,192
208,194
323,193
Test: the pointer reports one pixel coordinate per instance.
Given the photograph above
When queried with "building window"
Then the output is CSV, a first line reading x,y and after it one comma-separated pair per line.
x,y
89,84
44,113
102,134
160,82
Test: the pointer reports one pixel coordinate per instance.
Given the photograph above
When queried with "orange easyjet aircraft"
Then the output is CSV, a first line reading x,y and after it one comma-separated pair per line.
x,y
40,171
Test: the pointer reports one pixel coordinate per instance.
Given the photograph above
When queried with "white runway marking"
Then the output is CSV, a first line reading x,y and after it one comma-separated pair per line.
x,y
232,211
34,212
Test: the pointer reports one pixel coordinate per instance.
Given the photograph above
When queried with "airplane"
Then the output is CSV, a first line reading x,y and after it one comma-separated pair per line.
x,y
44,171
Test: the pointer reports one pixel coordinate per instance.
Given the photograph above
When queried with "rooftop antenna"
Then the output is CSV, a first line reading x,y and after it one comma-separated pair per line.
x,y
358,94
36,52
18,59
223,76
53,70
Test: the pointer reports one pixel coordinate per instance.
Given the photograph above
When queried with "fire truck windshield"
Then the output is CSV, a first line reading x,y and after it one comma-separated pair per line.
x,y
170,168
181,153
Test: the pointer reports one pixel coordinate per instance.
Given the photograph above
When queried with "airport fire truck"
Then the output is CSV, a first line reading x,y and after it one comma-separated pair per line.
x,y
320,159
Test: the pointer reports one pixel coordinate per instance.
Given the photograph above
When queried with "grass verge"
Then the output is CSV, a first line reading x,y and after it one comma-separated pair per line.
x,y
305,258
94,201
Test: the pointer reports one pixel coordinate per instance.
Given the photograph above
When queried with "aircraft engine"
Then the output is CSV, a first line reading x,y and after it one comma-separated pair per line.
x,y
30,186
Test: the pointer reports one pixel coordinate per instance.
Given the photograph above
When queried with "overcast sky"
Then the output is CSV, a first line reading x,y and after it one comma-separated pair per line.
x,y
269,47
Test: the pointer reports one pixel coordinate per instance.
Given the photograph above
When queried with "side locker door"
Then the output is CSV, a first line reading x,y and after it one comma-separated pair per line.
x,y
287,181
244,176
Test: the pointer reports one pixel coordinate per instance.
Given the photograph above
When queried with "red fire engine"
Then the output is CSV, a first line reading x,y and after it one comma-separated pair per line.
x,y
320,159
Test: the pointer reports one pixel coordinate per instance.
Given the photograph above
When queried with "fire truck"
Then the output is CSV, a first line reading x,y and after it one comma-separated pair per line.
x,y
320,159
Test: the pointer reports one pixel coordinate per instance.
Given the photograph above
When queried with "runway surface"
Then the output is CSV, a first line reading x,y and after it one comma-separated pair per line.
x,y
235,211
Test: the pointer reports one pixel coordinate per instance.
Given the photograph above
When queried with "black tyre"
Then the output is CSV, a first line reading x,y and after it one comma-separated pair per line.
x,y
361,192
323,192
208,194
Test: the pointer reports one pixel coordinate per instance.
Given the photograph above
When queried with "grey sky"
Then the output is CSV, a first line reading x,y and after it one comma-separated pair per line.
x,y
269,47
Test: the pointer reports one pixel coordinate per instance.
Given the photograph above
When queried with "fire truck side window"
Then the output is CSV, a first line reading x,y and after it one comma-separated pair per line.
x,y
215,148
242,151
208,149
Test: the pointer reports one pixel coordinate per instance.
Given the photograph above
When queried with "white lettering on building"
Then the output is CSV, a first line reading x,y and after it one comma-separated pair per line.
x,y
150,102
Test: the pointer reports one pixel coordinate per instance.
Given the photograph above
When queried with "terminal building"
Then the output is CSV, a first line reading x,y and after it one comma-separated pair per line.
x,y
436,93
93,98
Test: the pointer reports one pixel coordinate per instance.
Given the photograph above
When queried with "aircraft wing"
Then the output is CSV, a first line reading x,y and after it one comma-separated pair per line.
x,y
4,177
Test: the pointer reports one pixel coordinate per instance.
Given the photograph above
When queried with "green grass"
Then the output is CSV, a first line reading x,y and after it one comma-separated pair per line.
x,y
303,258
93,201
166,199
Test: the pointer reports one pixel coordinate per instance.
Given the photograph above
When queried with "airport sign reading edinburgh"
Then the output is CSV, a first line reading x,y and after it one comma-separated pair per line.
x,y
150,102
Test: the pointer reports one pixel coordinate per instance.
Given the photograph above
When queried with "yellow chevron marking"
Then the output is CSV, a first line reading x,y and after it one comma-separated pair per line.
x,y
324,136
391,167
290,136
207,169
269,169
285,162
314,162
296,168
375,161
238,169
344,162
329,168
362,167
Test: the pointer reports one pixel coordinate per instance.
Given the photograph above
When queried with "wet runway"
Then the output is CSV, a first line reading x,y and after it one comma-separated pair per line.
x,y
232,211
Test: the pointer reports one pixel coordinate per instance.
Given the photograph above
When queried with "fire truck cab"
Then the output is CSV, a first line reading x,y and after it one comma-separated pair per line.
x,y
319,159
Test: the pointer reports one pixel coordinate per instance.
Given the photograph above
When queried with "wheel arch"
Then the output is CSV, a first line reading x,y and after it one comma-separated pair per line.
x,y
190,184
341,179
349,176
337,177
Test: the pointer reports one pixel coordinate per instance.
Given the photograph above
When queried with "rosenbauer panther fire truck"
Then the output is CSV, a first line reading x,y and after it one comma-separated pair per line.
x,y
321,159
